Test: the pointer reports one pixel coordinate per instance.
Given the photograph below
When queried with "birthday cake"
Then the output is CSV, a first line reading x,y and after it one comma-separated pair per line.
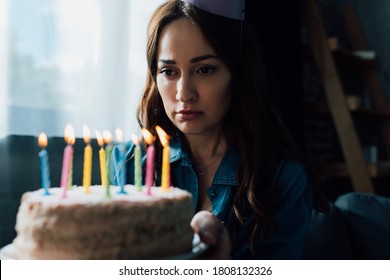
x,y
91,226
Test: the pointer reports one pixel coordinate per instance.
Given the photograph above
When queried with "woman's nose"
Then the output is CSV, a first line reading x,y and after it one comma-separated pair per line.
x,y
185,90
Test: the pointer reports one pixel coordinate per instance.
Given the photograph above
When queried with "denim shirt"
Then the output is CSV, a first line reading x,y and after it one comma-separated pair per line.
x,y
291,216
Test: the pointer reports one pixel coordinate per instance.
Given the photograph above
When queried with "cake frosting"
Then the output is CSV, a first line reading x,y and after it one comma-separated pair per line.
x,y
91,226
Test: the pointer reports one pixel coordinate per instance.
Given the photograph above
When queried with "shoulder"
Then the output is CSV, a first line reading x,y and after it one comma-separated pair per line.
x,y
125,149
290,171
294,193
123,152
292,181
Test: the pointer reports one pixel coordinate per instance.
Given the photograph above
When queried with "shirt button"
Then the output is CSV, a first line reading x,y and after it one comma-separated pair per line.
x,y
223,222
213,194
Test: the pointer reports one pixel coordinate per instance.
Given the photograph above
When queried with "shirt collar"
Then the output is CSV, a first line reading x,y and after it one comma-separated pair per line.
x,y
227,171
176,148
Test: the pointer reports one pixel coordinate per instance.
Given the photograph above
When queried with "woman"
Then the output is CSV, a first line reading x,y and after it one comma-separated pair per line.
x,y
252,188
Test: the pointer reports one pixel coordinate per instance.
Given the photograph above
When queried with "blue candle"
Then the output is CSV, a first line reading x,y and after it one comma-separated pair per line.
x,y
121,174
122,169
45,172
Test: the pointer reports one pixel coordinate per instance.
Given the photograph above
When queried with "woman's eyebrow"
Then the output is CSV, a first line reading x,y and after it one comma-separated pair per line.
x,y
193,60
167,61
203,57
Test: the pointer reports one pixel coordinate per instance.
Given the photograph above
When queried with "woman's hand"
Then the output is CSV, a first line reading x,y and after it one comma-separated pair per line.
x,y
212,232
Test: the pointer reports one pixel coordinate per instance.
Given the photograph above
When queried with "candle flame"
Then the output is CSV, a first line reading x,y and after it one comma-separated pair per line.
x,y
164,137
119,135
107,137
42,140
86,134
99,138
149,138
69,135
135,139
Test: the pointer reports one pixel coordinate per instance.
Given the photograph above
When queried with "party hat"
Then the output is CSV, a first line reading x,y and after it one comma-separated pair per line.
x,y
234,9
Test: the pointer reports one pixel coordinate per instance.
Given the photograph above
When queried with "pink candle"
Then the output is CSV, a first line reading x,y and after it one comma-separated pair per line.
x,y
67,160
150,155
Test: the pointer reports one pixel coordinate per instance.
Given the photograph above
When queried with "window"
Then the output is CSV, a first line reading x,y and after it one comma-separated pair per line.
x,y
70,61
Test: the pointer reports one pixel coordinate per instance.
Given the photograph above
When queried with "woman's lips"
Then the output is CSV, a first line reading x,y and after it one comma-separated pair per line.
x,y
188,115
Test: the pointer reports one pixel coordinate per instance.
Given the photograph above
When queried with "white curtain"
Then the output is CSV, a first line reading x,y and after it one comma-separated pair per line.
x,y
3,67
71,61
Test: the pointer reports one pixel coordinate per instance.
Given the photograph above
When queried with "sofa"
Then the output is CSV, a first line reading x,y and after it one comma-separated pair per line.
x,y
356,227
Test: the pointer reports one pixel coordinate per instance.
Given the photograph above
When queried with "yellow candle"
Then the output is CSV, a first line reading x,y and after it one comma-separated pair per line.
x,y
103,168
165,176
165,169
87,171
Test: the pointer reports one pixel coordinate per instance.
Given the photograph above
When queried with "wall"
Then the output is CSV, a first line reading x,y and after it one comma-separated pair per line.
x,y
321,140
375,24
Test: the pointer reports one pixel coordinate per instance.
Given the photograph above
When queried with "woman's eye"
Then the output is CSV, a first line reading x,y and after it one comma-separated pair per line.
x,y
167,72
205,70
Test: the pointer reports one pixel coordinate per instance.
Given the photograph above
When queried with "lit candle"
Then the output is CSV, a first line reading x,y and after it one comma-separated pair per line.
x,y
165,177
107,137
137,162
103,166
72,140
87,170
68,159
121,175
45,172
150,155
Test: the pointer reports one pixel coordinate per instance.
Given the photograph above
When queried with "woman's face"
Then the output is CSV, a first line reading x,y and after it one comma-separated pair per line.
x,y
194,83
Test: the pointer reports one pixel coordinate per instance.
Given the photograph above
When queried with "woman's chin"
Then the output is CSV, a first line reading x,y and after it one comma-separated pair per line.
x,y
192,130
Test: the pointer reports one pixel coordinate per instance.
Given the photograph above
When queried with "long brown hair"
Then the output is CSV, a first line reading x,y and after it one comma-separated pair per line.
x,y
252,126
